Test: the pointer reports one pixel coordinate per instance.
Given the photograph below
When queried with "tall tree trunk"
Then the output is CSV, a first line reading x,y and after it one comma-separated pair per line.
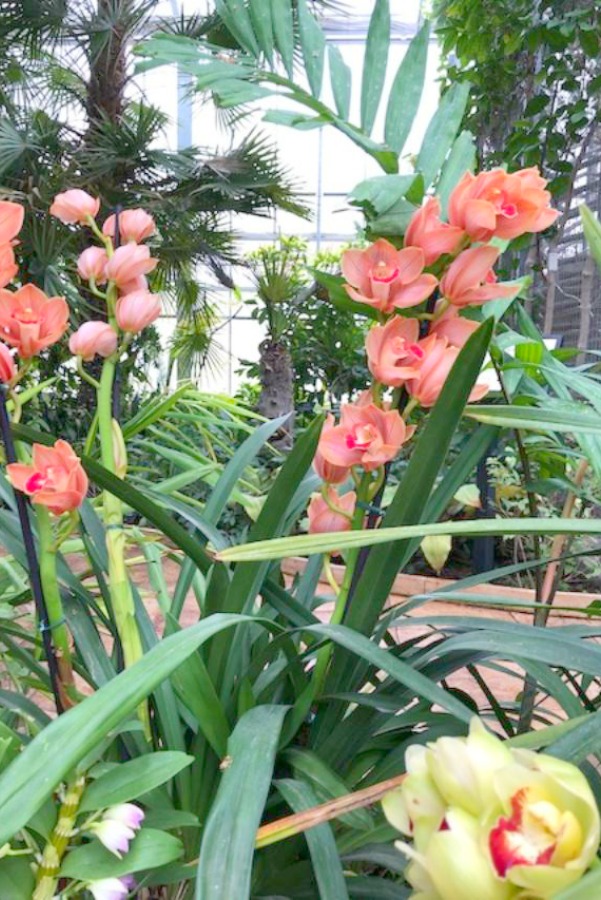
x,y
277,389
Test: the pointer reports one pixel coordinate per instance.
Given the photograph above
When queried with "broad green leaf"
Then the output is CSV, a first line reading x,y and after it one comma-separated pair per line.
x,y
326,784
149,849
57,750
406,91
339,298
228,843
235,16
592,232
441,131
283,31
296,119
313,45
461,159
133,779
537,418
260,17
382,192
327,867
341,79
374,64
579,743
16,878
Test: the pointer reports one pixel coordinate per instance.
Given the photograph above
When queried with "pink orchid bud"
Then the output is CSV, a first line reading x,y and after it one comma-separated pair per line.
x,y
326,471
110,888
8,368
501,204
453,327
118,827
323,519
91,264
393,352
436,361
93,338
366,436
134,225
434,237
387,278
31,321
74,207
55,478
8,265
136,311
470,281
11,220
129,262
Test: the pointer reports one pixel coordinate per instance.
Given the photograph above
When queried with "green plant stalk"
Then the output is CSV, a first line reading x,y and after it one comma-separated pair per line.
x,y
119,583
50,864
325,654
54,605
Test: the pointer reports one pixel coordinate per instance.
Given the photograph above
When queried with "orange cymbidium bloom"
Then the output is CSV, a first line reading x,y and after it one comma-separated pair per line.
x,y
11,220
438,358
470,280
387,278
393,352
366,436
92,264
8,265
326,471
93,338
75,207
134,225
55,478
136,311
323,519
427,231
8,368
452,326
31,321
501,204
128,263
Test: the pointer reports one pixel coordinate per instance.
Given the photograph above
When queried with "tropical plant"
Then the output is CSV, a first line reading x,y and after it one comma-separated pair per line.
x,y
259,733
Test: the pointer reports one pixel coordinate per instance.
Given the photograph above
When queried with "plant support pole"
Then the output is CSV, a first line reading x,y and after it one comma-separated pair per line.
x,y
32,560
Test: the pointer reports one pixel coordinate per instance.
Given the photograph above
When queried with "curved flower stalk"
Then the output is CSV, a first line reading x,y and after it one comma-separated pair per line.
x,y
486,820
419,292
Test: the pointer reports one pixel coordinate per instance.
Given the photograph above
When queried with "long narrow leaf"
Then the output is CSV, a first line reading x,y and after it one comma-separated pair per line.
x,y
374,64
406,92
441,131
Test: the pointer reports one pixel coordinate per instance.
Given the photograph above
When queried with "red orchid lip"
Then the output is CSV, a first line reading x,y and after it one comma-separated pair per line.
x,y
35,483
509,844
383,274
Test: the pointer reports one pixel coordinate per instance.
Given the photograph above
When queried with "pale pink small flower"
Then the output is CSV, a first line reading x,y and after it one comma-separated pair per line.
x,y
110,888
470,280
118,827
93,338
75,207
129,262
387,278
433,236
136,311
134,225
366,436
91,264
392,350
323,519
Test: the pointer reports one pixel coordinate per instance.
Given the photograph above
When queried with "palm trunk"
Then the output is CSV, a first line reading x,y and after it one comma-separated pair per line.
x,y
277,389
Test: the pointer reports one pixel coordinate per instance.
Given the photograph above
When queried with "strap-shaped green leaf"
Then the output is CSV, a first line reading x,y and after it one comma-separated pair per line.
x,y
441,131
406,91
283,31
313,46
235,16
228,843
340,77
592,232
260,17
133,779
374,64
461,159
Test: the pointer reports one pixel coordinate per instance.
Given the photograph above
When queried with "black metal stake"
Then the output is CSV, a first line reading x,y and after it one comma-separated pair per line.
x,y
32,559
116,397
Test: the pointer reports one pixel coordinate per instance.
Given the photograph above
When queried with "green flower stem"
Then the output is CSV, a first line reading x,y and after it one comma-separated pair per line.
x,y
325,654
54,605
49,868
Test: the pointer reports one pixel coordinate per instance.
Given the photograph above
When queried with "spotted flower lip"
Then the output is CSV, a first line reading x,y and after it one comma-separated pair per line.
x,y
387,278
